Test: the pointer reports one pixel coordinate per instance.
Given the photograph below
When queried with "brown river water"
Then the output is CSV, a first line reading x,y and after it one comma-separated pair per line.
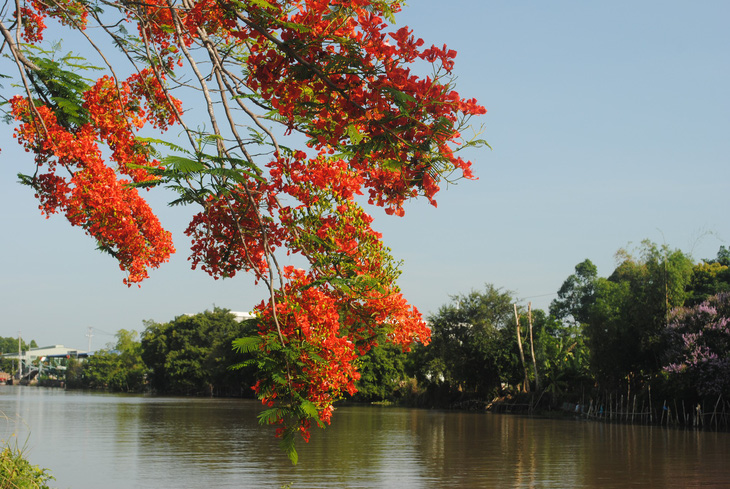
x,y
91,440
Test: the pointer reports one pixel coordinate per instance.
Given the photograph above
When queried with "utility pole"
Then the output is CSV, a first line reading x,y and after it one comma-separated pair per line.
x,y
90,335
20,361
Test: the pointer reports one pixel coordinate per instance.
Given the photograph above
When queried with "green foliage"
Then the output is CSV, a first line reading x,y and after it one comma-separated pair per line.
x,y
614,343
467,352
287,445
247,344
74,373
383,373
119,368
562,354
723,256
57,84
623,316
601,332
576,294
16,472
709,278
193,354
10,345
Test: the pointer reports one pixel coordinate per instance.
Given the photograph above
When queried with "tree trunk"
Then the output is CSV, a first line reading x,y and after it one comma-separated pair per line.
x,y
526,382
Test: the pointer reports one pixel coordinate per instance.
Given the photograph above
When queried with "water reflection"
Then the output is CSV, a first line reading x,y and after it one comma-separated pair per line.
x,y
91,440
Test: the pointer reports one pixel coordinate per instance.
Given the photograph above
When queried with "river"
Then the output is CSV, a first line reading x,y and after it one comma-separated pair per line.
x,y
91,440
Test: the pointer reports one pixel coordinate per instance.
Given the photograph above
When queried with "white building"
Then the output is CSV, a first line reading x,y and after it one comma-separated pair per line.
x,y
242,316
55,351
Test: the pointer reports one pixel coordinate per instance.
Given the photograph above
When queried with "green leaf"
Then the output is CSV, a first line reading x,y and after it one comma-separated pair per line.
x,y
354,133
287,446
184,165
247,344
25,179
279,379
401,99
269,416
391,165
291,25
169,145
310,409
144,184
261,3
244,364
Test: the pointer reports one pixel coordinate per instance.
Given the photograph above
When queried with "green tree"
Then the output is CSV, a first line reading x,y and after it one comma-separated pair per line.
x,y
657,280
710,277
627,312
577,294
192,353
612,340
9,344
467,351
118,368
723,256
383,374
562,354
622,317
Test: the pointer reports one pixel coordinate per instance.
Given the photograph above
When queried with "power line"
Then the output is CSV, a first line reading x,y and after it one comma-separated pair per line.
x,y
542,295
105,332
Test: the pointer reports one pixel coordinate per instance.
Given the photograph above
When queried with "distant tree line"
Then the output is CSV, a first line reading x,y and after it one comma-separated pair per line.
x,y
658,324
189,355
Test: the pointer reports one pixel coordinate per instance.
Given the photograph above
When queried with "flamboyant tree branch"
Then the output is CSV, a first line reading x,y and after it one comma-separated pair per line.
x,y
328,72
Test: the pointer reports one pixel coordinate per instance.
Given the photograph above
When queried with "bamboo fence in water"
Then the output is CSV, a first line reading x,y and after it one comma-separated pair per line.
x,y
626,409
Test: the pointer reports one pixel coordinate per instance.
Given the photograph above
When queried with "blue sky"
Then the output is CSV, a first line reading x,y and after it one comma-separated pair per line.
x,y
609,123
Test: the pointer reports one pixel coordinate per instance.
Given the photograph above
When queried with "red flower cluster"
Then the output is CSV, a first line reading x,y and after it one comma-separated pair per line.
x,y
92,197
33,25
234,233
309,322
32,19
400,125
324,332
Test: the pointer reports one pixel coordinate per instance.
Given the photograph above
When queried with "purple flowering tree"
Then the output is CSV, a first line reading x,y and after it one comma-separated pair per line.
x,y
698,353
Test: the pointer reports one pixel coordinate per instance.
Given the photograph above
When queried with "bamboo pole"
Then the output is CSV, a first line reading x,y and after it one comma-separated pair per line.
x,y
532,346
633,409
610,406
698,415
714,411
620,407
676,412
642,412
651,413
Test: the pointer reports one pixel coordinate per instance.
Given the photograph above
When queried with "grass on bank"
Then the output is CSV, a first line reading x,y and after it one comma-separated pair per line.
x,y
16,472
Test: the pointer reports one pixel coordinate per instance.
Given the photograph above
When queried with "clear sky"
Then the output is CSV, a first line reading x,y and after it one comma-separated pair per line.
x,y
609,122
